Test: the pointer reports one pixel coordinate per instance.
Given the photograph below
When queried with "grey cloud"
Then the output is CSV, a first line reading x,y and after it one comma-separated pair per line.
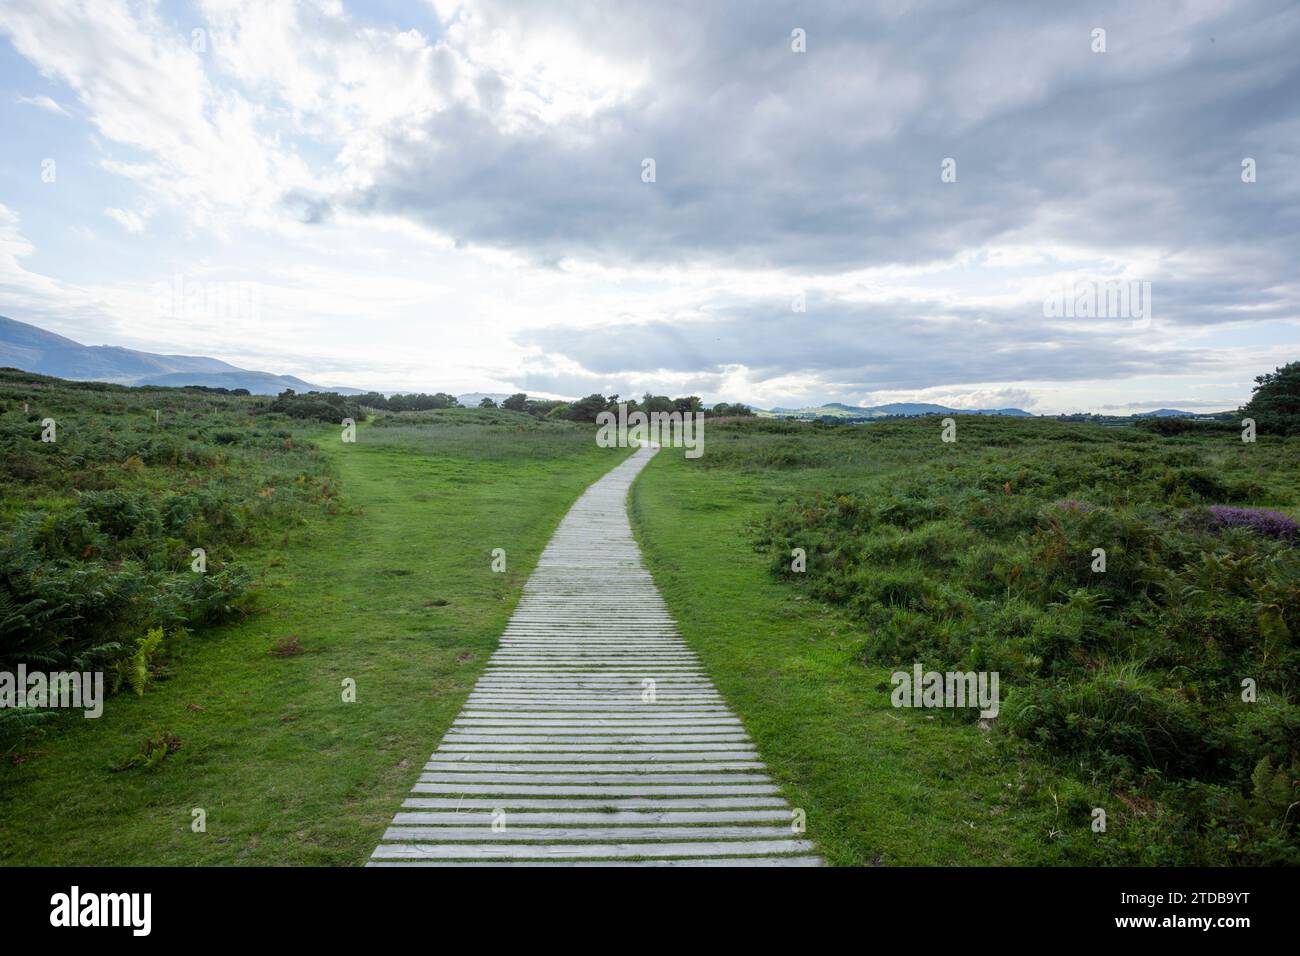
x,y
829,160
897,345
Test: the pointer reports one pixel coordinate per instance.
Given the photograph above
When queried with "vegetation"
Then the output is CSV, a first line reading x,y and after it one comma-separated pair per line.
x,y
104,521
1155,681
317,406
587,409
414,402
388,583
1275,406
1122,689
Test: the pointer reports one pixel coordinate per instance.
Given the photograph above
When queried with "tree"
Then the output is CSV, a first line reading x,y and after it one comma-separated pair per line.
x,y
420,402
1275,405
517,402
487,402
687,405
656,403
738,410
586,409
545,408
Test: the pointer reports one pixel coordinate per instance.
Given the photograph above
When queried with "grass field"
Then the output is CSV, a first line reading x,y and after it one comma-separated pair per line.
x,y
961,555
367,565
393,591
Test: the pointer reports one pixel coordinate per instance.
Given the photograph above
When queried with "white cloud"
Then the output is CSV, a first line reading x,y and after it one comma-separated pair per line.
x,y
991,396
44,103
130,221
143,87
30,296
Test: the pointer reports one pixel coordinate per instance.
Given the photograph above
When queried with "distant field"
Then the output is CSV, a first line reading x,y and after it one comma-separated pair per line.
x,y
376,568
1121,690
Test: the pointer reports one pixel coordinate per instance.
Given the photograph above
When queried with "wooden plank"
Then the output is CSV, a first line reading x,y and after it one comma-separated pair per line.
x,y
541,851
443,766
641,817
513,832
474,775
609,736
729,861
677,760
599,790
679,749
753,801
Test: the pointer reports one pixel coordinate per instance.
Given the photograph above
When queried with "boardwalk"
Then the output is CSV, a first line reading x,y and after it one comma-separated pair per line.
x,y
594,737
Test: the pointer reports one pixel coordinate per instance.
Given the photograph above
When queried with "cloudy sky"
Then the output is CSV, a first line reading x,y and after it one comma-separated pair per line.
x,y
453,196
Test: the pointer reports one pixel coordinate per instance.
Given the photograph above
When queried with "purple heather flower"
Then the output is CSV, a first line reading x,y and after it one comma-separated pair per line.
x,y
1268,524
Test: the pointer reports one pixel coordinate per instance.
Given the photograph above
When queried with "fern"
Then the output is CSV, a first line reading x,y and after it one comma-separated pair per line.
x,y
15,725
136,670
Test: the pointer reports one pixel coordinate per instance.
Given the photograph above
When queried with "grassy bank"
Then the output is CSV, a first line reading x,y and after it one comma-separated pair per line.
x,y
393,591
978,555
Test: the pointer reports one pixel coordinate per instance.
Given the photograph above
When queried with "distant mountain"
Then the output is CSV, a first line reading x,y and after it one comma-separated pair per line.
x,y
840,410
1166,413
32,349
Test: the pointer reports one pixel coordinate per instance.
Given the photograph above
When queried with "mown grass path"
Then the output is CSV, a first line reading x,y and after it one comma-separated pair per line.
x,y
594,735
395,592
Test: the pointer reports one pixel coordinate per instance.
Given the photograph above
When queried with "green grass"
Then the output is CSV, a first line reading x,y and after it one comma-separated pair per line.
x,y
394,592
923,551
879,786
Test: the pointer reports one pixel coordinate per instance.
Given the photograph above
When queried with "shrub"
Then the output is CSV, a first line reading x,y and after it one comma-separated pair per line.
x,y
1268,524
318,406
1121,713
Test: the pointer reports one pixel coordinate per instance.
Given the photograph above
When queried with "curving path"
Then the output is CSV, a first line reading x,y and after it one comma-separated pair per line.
x,y
594,737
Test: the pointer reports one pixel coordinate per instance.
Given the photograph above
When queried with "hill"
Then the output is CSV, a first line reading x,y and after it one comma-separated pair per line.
x,y
32,349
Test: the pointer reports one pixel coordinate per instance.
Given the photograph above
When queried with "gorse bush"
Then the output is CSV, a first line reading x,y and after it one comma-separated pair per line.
x,y
981,556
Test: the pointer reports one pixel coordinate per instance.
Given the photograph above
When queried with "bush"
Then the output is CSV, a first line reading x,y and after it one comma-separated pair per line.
x,y
1120,718
317,406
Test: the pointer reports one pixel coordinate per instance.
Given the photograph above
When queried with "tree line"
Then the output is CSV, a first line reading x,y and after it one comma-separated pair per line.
x,y
579,410
586,409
